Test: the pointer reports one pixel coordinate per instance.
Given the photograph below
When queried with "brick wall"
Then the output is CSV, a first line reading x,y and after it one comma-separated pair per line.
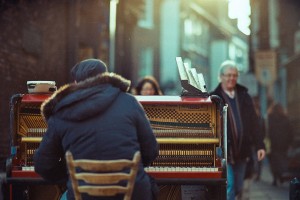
x,y
42,40
33,43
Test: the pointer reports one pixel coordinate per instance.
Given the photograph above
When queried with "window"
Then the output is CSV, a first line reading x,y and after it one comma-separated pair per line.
x,y
146,62
146,20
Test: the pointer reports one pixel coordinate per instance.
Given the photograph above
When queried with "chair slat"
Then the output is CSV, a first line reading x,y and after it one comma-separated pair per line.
x,y
93,165
102,190
109,178
98,173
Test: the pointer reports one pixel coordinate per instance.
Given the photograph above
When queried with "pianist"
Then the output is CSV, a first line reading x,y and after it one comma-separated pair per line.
x,y
95,118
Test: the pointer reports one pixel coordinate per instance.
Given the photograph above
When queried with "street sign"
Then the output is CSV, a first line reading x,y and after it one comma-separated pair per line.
x,y
265,67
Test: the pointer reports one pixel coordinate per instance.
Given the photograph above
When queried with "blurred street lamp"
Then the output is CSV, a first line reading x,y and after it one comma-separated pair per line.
x,y
112,32
240,10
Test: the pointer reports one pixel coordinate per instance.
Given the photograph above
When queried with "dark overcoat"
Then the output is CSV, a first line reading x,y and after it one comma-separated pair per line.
x,y
95,119
251,133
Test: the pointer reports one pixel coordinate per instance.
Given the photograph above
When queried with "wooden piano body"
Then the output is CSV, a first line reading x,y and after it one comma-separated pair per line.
x,y
26,131
192,158
189,131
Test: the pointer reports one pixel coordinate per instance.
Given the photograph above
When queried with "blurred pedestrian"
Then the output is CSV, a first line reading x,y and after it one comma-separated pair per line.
x,y
281,137
148,86
253,165
242,127
95,118
263,133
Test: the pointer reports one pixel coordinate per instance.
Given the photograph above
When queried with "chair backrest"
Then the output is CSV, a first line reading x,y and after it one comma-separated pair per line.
x,y
101,177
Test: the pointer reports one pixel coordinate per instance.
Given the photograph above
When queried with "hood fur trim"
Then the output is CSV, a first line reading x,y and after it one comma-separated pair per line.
x,y
115,80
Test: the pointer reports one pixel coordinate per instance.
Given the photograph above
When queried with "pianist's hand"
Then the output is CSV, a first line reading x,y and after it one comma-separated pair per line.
x,y
261,154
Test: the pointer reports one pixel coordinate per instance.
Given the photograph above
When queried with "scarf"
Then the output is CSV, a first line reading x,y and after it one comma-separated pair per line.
x,y
236,137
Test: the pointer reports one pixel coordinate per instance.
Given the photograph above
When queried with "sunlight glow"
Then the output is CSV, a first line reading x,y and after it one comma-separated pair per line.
x,y
240,10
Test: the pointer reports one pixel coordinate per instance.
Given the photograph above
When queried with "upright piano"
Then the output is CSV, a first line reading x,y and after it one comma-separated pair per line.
x,y
190,132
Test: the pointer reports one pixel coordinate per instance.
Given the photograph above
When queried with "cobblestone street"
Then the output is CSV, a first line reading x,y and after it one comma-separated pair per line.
x,y
263,189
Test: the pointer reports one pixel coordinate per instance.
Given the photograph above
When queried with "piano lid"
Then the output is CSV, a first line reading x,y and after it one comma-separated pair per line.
x,y
158,99
35,98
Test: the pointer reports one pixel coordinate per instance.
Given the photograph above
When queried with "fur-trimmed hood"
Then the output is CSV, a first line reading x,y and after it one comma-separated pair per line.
x,y
86,98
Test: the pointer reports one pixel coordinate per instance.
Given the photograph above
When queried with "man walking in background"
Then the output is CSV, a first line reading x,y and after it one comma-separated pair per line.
x,y
242,127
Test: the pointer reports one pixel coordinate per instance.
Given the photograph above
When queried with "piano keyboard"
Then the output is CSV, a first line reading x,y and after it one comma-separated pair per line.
x,y
181,169
28,168
184,172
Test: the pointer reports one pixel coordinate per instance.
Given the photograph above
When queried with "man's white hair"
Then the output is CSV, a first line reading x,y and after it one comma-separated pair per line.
x,y
226,65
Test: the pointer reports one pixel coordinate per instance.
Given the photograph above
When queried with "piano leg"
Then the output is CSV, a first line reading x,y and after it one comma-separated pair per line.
x,y
11,192
197,192
217,192
193,190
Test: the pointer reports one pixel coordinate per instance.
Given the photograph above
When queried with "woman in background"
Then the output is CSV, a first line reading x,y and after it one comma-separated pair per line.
x,y
148,86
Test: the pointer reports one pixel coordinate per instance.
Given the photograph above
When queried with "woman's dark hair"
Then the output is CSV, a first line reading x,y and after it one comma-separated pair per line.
x,y
152,81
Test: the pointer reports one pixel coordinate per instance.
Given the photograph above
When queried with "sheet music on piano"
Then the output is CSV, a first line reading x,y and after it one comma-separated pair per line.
x,y
193,83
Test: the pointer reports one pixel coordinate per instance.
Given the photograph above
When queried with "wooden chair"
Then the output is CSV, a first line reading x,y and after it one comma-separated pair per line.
x,y
100,175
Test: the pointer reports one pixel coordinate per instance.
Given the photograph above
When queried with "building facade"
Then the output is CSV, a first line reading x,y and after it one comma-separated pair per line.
x,y
201,32
276,28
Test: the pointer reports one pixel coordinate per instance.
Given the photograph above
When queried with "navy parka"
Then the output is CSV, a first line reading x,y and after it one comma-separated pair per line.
x,y
95,119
